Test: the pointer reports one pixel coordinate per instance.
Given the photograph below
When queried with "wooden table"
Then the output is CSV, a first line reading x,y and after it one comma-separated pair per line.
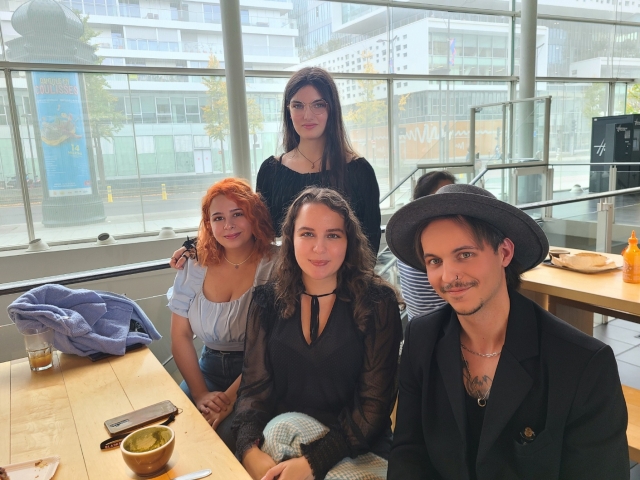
x,y
632,397
61,411
575,297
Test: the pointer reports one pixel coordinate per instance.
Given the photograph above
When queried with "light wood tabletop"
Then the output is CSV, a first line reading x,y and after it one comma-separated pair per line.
x,y
61,411
632,397
575,296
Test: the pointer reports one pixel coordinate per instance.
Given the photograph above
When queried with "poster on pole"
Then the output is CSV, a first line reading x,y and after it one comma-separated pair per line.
x,y
61,124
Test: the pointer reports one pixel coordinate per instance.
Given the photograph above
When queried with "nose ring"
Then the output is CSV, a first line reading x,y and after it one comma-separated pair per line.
x,y
456,277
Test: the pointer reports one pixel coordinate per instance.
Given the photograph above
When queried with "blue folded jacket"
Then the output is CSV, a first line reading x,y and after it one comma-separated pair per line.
x,y
85,321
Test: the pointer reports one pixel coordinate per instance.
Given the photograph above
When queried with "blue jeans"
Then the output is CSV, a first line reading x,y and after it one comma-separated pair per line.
x,y
219,370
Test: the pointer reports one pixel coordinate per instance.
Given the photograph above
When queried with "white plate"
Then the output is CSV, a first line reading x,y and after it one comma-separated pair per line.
x,y
611,265
39,469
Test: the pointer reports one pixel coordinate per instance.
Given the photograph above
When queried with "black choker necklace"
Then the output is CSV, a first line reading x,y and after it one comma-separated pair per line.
x,y
315,314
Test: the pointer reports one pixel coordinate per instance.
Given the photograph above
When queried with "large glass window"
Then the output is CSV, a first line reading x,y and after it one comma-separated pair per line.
x,y
573,49
157,139
593,10
211,13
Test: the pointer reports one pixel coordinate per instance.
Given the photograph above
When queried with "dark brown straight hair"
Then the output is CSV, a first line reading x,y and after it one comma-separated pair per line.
x,y
337,147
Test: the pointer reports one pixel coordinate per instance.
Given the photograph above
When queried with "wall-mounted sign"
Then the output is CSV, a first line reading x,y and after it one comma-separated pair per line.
x,y
61,124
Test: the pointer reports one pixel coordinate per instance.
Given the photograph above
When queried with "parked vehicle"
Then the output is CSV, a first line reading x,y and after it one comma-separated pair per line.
x,y
13,182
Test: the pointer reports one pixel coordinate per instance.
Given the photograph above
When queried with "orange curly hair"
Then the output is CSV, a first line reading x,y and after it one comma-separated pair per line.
x,y
210,252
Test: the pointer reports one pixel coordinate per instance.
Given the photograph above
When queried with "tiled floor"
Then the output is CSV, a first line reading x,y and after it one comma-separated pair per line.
x,y
624,339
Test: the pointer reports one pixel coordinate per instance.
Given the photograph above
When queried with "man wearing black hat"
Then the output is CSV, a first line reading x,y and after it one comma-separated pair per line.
x,y
491,385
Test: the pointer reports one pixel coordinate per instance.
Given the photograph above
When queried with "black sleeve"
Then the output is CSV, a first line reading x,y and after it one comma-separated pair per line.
x,y
595,438
265,186
364,422
255,405
409,459
365,195
264,182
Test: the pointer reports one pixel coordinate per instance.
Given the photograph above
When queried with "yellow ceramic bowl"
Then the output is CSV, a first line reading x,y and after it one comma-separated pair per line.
x,y
147,451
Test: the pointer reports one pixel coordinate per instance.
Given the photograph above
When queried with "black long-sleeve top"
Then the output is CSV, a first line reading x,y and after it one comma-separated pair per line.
x,y
346,378
279,186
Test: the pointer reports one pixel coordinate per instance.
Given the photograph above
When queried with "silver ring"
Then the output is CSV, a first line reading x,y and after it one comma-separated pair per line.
x,y
184,255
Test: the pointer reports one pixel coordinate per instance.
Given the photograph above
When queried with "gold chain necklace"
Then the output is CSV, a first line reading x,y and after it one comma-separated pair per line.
x,y
313,164
238,264
485,355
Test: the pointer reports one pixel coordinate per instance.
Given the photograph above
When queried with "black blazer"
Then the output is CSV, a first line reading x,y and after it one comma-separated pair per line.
x,y
551,377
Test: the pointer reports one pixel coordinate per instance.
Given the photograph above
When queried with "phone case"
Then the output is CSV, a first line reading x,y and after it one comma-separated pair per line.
x,y
137,418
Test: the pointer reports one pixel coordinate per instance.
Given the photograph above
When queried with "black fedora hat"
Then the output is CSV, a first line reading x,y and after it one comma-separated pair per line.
x,y
531,244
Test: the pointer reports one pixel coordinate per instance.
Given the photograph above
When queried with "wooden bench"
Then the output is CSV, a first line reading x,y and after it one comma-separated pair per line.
x,y
632,396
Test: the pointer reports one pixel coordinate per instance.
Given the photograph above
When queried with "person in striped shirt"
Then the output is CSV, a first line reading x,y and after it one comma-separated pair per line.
x,y
417,292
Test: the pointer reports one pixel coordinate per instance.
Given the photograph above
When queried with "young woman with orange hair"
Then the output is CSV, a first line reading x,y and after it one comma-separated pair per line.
x,y
211,297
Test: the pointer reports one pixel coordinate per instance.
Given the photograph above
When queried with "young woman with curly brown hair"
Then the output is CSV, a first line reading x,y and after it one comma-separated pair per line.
x,y
322,339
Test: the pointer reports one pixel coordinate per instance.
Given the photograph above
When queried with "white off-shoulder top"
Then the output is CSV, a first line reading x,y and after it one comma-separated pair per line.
x,y
220,325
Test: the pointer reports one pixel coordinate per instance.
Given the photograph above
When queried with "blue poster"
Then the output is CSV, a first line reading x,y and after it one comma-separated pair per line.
x,y
60,118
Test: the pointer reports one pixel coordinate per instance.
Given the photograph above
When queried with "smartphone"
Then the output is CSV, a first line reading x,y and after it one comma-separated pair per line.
x,y
138,418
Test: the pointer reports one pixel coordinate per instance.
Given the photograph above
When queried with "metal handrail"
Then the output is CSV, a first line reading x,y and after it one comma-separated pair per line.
x,y
592,163
504,167
538,164
398,185
86,276
510,102
445,166
591,196
475,179
424,166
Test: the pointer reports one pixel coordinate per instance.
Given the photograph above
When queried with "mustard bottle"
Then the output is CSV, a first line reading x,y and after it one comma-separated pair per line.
x,y
631,261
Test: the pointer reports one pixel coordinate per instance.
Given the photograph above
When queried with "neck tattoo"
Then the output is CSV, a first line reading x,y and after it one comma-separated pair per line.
x,y
313,163
473,385
238,264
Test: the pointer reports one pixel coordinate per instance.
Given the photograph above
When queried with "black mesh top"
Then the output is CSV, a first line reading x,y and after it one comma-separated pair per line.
x,y
279,186
475,419
346,378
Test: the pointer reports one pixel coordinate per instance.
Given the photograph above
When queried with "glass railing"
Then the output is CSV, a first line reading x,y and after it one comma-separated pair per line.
x,y
193,47
518,183
201,47
509,132
599,222
152,45
204,15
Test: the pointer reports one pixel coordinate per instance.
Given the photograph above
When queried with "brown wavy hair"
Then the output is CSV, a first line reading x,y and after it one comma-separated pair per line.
x,y
337,147
356,277
210,252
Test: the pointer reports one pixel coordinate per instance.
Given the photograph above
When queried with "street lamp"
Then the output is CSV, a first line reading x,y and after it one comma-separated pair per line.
x,y
27,118
391,53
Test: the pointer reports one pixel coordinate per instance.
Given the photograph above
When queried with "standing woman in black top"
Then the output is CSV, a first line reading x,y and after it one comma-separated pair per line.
x,y
322,339
318,152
